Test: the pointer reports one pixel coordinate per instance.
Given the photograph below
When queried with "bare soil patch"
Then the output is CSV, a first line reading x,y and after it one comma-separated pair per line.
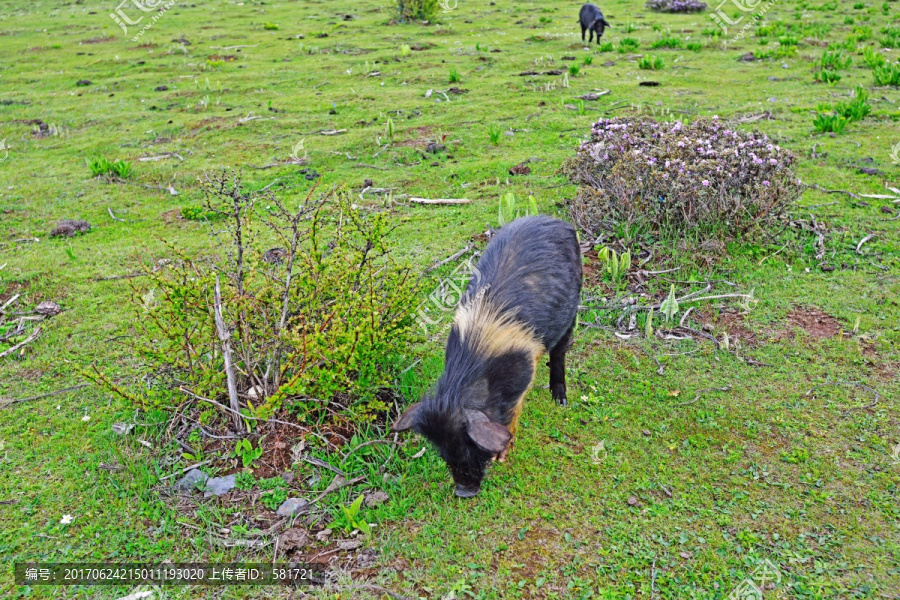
x,y
817,324
732,322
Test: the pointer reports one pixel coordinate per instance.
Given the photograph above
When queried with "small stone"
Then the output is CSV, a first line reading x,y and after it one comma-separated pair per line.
x,y
48,309
349,544
122,428
83,82
633,501
520,169
192,480
323,535
68,228
256,392
435,148
288,477
376,499
887,210
368,183
295,537
646,432
869,171
366,559
161,88
685,555
273,256
293,507
219,485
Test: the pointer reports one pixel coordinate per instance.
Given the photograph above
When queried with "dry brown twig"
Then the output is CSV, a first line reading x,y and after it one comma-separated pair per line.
x,y
854,384
727,388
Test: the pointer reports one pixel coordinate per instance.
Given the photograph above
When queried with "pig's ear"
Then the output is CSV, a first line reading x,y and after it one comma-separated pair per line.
x,y
408,419
489,435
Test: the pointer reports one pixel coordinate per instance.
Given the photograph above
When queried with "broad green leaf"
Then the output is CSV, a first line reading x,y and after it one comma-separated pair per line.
x,y
669,307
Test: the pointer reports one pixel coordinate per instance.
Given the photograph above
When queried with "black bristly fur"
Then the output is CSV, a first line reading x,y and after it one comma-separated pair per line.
x,y
591,19
532,271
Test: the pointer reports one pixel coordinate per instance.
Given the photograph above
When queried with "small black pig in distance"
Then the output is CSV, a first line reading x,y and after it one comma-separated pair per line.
x,y
520,303
592,20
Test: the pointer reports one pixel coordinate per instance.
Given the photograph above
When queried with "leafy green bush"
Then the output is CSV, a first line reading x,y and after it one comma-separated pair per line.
x,y
198,213
417,10
628,45
887,75
321,316
679,177
891,37
669,42
873,59
856,110
494,133
830,123
835,61
826,76
102,167
651,63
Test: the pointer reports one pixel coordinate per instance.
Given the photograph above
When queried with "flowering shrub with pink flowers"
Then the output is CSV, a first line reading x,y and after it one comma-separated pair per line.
x,y
676,6
680,176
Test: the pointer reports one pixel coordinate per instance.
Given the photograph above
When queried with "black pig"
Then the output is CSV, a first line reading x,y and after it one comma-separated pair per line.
x,y
592,20
521,302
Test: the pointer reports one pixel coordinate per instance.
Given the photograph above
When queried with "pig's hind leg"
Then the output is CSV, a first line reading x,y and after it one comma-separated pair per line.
x,y
558,367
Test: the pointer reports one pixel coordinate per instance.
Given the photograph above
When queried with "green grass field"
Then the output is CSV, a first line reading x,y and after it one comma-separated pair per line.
x,y
653,483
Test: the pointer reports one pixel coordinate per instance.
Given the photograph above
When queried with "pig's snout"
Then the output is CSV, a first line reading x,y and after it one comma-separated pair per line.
x,y
467,492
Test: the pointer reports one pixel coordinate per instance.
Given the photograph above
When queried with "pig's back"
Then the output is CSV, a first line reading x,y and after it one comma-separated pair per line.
x,y
532,267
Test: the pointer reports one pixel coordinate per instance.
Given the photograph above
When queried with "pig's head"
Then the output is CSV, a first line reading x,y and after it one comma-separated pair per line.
x,y
598,26
466,438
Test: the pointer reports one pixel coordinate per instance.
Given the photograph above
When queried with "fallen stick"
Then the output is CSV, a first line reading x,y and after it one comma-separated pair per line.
x,y
863,241
333,488
821,189
225,338
114,217
321,463
332,131
449,259
371,166
850,383
439,201
161,157
727,388
232,47
48,394
8,302
185,470
126,276
30,338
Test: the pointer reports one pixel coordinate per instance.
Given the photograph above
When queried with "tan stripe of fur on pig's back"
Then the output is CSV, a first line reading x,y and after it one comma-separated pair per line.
x,y
490,331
